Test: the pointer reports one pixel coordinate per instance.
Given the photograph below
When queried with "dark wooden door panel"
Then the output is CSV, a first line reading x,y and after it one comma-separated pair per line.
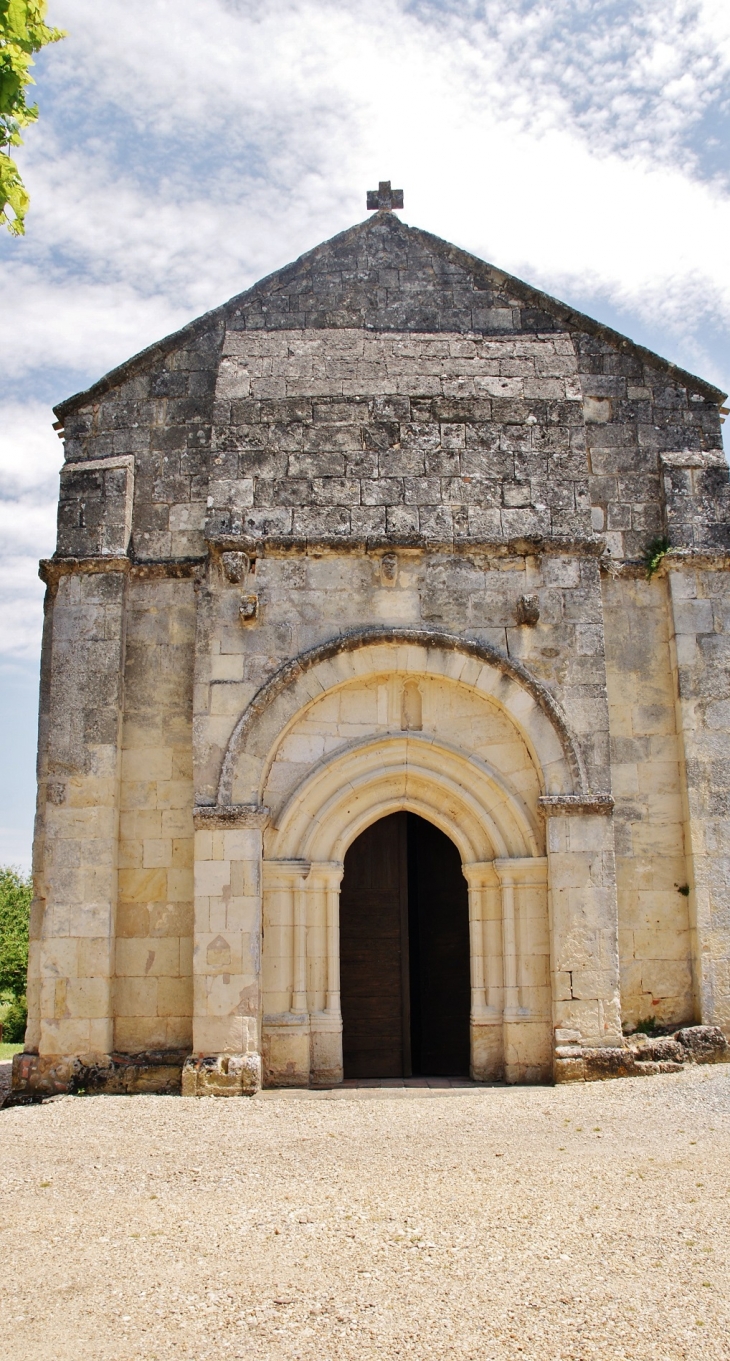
x,y
374,951
439,951
404,952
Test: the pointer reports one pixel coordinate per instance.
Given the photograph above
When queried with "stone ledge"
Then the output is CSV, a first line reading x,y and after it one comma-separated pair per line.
x,y
694,458
542,545
643,1058
227,817
575,805
36,1076
50,570
677,559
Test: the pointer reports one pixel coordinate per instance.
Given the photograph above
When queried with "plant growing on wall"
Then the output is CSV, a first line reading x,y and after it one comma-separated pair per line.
x,y
654,554
22,32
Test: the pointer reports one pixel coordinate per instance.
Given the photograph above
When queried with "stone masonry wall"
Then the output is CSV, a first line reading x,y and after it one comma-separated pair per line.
x,y
634,413
308,599
337,373
154,927
162,417
700,649
654,916
322,434
384,393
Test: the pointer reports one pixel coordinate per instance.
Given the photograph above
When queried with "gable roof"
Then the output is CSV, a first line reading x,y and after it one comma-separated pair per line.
x,y
439,264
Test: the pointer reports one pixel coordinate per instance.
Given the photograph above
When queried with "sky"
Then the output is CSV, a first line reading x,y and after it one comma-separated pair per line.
x,y
185,149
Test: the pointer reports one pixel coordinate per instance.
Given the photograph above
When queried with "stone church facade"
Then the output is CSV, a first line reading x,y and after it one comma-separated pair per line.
x,y
369,540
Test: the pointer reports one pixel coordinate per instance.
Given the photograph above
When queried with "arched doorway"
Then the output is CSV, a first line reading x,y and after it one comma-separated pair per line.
x,y
404,952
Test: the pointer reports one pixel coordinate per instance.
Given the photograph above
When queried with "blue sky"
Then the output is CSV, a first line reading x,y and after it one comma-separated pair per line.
x,y
185,149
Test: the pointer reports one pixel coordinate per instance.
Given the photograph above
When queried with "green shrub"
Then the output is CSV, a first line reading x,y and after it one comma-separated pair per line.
x,y
14,1017
15,898
654,555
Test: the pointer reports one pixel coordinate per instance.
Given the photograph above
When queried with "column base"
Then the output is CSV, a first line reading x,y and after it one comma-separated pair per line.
x,y
326,1069
221,1075
487,1048
528,1046
286,1049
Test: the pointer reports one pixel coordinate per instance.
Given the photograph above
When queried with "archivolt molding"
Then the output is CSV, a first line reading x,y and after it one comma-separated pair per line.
x,y
353,788
371,651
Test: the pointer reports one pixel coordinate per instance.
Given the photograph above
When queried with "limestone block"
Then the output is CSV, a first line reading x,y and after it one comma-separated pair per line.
x,y
88,998
212,877
241,914
133,1034
221,1034
158,957
487,1051
218,954
286,1053
693,616
142,886
704,1043
528,1051
222,1075
662,943
59,957
175,996
241,844
73,1036
585,1016
325,1052
135,996
569,1067
666,978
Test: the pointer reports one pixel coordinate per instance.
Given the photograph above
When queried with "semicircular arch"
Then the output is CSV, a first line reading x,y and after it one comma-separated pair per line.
x,y
409,652
345,793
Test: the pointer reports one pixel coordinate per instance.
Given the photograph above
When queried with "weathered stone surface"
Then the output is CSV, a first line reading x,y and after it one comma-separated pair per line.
x,y
369,537
640,1056
115,1074
222,1075
704,1043
665,1049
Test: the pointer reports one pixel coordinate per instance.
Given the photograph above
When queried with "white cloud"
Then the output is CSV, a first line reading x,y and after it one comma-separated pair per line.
x,y
221,140
30,456
185,149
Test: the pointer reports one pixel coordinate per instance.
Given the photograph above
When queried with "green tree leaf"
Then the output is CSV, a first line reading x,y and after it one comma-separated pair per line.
x,y
23,31
16,892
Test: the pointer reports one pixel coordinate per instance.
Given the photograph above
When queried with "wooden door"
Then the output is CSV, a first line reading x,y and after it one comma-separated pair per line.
x,y
439,952
374,973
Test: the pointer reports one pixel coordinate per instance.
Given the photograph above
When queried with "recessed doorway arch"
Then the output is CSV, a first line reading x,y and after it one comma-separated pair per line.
x,y
405,981
506,875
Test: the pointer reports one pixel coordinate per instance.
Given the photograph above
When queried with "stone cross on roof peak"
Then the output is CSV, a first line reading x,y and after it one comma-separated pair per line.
x,y
384,198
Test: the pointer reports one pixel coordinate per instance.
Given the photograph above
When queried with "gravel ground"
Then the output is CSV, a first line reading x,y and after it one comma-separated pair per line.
x,y
499,1223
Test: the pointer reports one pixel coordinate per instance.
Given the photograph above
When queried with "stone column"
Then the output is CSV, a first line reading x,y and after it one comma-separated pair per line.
x,y
78,813
527,1031
324,935
286,1031
700,651
583,923
485,935
226,1058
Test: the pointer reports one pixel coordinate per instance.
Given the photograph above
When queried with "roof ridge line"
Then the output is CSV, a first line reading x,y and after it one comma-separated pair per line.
x,y
473,263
